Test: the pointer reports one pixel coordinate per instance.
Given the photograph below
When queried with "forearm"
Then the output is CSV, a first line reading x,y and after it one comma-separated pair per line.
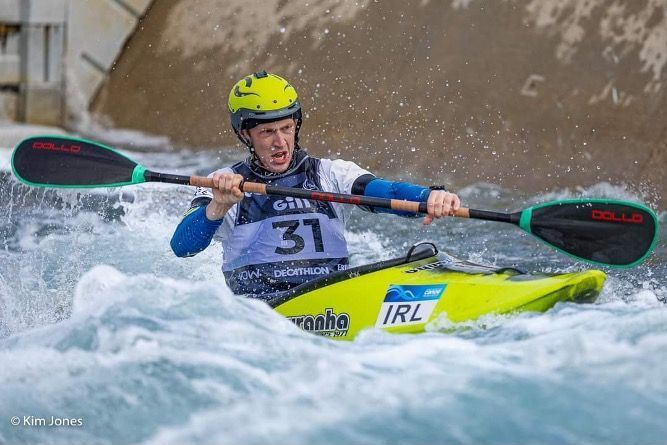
x,y
381,188
194,233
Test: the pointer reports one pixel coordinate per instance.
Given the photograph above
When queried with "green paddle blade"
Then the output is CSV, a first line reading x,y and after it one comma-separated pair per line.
x,y
55,161
605,232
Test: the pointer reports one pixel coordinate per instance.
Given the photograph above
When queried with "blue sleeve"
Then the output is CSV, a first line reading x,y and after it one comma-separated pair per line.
x,y
194,233
379,188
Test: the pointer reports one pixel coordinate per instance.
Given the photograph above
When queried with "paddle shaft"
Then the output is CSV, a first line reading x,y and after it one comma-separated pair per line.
x,y
268,189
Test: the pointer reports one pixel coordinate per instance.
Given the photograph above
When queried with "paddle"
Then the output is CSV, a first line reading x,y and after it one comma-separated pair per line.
x,y
602,231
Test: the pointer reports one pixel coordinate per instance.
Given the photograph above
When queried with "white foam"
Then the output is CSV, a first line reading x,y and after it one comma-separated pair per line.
x,y
12,133
127,137
364,246
5,159
599,190
92,293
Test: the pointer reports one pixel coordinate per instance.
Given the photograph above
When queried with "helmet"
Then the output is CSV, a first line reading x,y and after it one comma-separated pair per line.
x,y
260,98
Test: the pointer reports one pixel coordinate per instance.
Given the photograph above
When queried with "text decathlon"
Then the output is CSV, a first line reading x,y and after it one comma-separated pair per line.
x,y
291,203
328,324
298,271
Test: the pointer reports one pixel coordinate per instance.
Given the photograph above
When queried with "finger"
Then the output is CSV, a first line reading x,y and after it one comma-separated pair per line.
x,y
438,207
457,204
238,180
216,181
229,182
434,205
446,207
427,220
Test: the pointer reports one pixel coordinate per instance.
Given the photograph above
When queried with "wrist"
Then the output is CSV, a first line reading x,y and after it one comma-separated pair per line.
x,y
216,211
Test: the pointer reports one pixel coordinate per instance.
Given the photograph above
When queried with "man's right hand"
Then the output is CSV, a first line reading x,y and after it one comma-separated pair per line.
x,y
226,193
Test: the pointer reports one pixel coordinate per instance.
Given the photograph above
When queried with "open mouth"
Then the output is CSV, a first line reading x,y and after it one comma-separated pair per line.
x,y
279,157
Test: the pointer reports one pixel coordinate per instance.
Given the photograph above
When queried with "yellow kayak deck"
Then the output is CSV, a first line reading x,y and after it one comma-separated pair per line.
x,y
406,294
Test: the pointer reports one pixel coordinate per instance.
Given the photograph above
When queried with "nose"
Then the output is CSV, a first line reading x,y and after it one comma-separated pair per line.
x,y
279,140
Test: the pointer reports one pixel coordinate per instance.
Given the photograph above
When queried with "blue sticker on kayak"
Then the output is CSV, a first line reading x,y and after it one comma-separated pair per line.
x,y
409,304
421,292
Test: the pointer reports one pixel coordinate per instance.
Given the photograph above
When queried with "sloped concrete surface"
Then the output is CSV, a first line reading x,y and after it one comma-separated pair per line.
x,y
536,94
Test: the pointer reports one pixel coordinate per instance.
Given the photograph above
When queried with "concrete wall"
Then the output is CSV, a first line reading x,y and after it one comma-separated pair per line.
x,y
31,69
523,93
55,54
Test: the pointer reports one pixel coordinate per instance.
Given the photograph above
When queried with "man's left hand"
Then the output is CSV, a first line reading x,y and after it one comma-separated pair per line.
x,y
441,203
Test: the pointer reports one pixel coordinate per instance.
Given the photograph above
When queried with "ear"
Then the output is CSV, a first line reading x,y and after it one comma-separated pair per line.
x,y
245,134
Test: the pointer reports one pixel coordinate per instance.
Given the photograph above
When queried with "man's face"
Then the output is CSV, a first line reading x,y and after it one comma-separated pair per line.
x,y
274,143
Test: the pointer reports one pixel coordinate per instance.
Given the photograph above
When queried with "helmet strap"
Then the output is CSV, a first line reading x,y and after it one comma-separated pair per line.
x,y
253,155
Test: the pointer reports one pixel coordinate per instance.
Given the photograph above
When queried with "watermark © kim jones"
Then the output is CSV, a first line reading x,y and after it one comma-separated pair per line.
x,y
51,421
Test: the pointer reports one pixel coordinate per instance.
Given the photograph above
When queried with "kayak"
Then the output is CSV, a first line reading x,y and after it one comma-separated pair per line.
x,y
423,291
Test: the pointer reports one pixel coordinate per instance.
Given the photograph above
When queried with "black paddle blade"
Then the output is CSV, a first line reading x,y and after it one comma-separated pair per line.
x,y
55,161
608,232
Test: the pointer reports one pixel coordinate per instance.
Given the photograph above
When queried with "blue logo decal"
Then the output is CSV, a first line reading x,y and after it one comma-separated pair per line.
x,y
408,293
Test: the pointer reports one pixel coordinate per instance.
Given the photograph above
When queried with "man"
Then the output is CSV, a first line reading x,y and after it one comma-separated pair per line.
x,y
273,243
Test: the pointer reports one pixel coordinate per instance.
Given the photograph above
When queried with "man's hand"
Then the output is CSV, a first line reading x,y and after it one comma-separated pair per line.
x,y
441,203
226,193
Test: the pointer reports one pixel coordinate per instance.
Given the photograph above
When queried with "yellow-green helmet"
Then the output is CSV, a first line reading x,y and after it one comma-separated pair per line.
x,y
262,97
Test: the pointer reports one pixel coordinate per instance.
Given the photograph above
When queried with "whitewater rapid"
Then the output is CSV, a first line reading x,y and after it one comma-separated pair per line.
x,y
101,323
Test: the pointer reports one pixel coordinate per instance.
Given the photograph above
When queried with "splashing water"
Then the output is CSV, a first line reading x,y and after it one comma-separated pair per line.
x,y
100,323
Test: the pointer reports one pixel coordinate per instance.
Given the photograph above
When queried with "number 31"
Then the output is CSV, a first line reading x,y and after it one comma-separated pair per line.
x,y
299,242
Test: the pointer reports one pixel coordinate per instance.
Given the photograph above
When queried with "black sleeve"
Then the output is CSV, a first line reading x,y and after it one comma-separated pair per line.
x,y
359,185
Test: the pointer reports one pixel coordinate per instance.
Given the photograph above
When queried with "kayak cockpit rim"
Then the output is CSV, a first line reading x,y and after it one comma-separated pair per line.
x,y
419,251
